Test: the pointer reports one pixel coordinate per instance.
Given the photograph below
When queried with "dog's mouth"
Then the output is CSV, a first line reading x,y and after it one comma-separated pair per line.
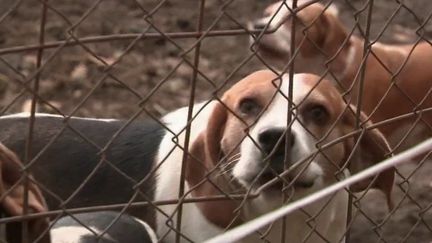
x,y
273,181
273,177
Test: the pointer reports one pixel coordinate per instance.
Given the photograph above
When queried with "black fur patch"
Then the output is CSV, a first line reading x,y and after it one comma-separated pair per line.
x,y
70,159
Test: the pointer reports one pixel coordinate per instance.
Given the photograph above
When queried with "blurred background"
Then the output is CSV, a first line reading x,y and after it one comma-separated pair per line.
x,y
156,73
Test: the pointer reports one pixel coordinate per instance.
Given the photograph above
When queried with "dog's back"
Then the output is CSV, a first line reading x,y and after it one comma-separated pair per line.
x,y
69,160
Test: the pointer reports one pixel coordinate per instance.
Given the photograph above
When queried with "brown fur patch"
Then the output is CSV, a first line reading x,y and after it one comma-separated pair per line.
x,y
12,191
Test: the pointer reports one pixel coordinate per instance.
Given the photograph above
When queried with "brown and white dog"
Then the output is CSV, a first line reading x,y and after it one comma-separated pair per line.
x,y
398,78
242,137
236,144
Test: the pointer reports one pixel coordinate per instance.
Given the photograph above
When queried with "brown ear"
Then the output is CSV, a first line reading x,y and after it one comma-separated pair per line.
x,y
205,152
323,30
371,149
12,196
314,35
333,31
214,132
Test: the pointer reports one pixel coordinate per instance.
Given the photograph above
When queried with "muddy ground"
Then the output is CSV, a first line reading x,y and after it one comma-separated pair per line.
x,y
75,79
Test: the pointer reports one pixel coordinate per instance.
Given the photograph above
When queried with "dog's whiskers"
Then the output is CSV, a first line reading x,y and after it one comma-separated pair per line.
x,y
229,163
234,156
228,167
225,170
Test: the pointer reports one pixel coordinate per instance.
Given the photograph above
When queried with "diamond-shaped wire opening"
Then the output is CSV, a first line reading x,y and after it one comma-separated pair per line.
x,y
104,72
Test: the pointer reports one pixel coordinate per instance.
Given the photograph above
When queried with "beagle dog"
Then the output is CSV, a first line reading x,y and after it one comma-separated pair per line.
x,y
101,227
240,144
397,79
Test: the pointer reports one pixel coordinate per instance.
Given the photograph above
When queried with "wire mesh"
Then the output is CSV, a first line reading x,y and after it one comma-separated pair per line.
x,y
142,59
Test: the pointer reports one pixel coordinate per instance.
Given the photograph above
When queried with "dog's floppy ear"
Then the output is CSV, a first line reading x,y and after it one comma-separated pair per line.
x,y
333,31
214,132
323,31
12,197
206,148
204,155
372,148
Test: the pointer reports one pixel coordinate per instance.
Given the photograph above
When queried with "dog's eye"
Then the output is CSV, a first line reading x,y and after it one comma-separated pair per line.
x,y
317,113
249,107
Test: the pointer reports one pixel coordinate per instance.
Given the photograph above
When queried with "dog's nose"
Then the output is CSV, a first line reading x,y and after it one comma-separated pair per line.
x,y
270,137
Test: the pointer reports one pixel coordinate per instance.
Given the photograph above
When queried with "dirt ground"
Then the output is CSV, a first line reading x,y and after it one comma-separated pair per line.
x,y
77,82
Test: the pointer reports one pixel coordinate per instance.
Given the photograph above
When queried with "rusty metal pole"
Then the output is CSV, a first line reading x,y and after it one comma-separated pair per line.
x,y
189,117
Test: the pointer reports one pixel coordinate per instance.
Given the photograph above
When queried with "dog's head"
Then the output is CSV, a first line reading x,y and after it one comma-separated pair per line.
x,y
250,128
318,31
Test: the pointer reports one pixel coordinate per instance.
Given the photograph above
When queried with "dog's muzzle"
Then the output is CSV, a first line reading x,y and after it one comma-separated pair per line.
x,y
273,143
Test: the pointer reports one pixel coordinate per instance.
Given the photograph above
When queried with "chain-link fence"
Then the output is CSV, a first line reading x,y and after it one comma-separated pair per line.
x,y
140,60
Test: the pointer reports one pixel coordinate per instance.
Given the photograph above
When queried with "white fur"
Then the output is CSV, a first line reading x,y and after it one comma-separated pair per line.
x,y
149,230
331,220
194,224
74,234
250,162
